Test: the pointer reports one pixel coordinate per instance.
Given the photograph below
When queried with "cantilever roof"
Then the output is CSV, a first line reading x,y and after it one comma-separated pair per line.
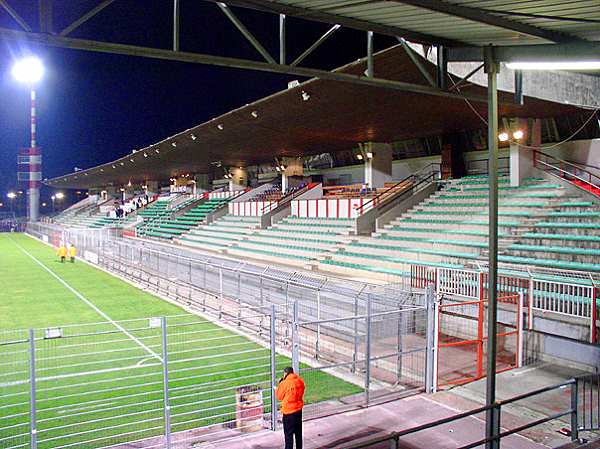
x,y
453,22
336,116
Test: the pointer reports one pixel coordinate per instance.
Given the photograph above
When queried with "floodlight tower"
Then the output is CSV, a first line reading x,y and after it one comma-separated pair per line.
x,y
30,71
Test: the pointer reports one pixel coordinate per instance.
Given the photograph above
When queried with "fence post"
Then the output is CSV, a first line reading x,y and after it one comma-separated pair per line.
x,y
575,410
594,317
318,342
221,283
530,304
273,370
295,339
165,367
431,356
32,392
368,353
520,332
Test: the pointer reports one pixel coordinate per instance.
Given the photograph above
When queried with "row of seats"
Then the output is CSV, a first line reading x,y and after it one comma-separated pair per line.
x,y
293,240
450,230
169,223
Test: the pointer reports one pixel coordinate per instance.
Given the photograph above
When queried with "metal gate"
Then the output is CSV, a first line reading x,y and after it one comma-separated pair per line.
x,y
462,338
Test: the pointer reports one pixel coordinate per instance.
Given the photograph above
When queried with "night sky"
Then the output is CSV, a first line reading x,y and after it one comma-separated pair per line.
x,y
96,107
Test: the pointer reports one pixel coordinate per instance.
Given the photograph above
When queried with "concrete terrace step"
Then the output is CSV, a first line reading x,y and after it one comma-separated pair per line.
x,y
550,263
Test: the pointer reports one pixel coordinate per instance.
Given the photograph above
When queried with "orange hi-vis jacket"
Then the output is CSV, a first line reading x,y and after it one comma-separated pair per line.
x,y
62,251
291,394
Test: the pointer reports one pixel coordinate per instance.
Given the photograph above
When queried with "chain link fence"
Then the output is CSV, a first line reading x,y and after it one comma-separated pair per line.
x,y
353,343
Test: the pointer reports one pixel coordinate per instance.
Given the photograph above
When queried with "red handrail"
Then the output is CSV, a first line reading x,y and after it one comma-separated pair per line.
x,y
584,175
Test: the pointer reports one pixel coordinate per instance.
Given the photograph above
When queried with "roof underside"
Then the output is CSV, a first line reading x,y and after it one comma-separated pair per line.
x,y
473,22
337,116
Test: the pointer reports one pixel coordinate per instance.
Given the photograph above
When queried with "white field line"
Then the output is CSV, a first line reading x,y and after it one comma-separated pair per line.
x,y
89,303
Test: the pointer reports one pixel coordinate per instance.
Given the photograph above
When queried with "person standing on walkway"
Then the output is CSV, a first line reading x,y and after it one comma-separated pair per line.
x,y
290,392
62,252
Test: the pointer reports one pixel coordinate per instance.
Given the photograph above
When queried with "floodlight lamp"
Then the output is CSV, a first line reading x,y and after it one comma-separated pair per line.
x,y
503,137
193,137
359,157
220,126
369,155
2,204
277,168
254,114
28,70
11,195
53,197
305,96
558,65
60,195
173,144
518,134
282,167
129,184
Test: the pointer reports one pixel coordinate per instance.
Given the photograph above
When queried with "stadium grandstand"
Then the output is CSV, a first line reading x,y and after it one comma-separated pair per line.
x,y
416,233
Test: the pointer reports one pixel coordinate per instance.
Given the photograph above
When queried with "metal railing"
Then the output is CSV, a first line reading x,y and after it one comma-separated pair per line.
x,y
429,173
583,415
566,170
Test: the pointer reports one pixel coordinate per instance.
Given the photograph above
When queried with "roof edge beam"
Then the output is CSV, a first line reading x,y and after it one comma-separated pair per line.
x,y
245,32
481,16
348,22
222,61
571,52
15,15
87,16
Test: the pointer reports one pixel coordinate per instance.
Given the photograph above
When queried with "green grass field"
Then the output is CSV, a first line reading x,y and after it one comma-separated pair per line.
x,y
101,383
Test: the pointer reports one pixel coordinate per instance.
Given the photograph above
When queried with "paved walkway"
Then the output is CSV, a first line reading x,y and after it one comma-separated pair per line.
x,y
336,432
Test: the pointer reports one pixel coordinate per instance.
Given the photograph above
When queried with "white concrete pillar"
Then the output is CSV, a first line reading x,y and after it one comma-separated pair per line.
x,y
378,168
294,166
239,180
521,158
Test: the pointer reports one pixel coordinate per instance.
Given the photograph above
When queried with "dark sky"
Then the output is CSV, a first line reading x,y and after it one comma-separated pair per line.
x,y
96,107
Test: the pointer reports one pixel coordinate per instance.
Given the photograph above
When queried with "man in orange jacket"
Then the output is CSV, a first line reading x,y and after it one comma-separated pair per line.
x,y
290,392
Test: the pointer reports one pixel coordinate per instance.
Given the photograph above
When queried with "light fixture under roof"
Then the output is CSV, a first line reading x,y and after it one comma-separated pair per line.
x,y
173,144
359,157
518,134
131,160
220,126
193,137
114,166
503,137
157,151
254,114
145,154
122,163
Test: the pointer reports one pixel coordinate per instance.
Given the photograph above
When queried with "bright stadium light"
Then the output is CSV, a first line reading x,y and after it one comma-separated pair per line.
x,y
559,65
503,137
359,157
60,195
28,70
11,195
518,134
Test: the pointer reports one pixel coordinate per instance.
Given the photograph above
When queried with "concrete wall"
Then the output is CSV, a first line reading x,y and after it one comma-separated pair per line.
x,y
581,151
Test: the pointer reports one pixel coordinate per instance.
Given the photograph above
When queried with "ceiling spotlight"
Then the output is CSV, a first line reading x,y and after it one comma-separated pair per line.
x,y
60,195
114,166
11,195
518,134
193,137
277,168
359,157
220,126
503,137
282,167
101,170
369,155
173,144
305,96
131,160
254,114
122,189
157,151
129,183
145,154
122,163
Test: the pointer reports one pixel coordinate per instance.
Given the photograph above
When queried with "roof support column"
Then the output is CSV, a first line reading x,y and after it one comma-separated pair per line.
x,y
282,39
442,67
492,424
175,25
370,72
521,159
378,164
239,181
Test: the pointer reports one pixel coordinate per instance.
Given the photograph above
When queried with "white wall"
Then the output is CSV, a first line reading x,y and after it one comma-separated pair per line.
x,y
579,151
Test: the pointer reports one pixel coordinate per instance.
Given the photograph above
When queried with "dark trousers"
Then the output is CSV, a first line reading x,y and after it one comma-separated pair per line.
x,y
292,426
